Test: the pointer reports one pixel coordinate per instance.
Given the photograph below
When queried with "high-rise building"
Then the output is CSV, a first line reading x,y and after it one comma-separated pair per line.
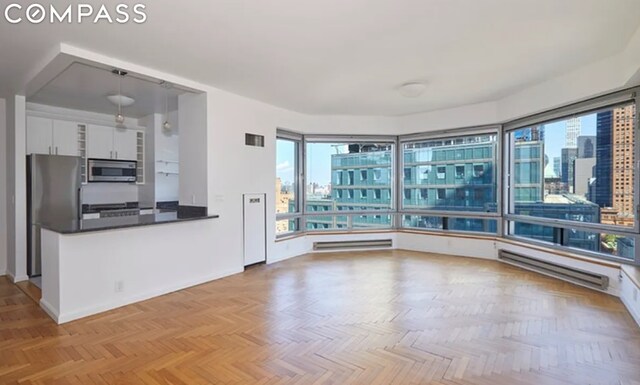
x,y
361,181
557,166
586,146
573,131
569,155
603,174
582,175
623,161
614,170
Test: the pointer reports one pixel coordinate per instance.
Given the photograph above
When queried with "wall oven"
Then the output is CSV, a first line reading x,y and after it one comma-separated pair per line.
x,y
105,170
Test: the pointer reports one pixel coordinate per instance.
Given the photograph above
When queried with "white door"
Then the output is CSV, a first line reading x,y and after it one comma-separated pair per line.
x,y
100,142
255,229
65,138
124,144
39,135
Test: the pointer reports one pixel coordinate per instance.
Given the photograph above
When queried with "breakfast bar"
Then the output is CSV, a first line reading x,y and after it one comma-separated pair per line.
x,y
91,266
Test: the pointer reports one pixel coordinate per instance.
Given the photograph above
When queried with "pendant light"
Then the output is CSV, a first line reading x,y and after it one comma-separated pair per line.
x,y
119,116
166,126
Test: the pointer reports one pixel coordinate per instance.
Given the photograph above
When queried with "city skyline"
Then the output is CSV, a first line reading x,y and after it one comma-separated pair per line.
x,y
319,155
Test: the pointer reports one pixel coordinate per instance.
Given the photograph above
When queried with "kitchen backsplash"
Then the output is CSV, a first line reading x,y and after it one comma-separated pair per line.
x,y
101,193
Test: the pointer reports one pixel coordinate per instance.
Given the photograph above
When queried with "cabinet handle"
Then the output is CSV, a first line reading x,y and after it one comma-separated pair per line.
x,y
110,154
56,150
49,150
116,154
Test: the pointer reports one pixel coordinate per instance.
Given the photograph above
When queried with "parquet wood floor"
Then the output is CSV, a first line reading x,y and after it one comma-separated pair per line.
x,y
388,317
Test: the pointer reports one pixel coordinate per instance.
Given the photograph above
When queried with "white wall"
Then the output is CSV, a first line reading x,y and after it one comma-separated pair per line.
x,y
3,187
194,151
16,188
630,295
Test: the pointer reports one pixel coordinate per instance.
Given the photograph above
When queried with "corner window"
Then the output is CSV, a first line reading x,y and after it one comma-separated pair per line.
x,y
287,185
580,168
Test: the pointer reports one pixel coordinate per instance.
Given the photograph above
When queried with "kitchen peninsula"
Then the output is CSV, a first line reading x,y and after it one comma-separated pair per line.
x,y
91,266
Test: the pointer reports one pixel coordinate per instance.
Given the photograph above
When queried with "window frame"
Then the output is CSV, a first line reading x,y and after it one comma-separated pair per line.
x,y
351,214
297,216
356,139
495,130
572,111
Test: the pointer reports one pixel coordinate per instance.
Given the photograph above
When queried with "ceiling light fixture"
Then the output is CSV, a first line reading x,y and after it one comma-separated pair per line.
x,y
119,116
166,126
121,100
412,89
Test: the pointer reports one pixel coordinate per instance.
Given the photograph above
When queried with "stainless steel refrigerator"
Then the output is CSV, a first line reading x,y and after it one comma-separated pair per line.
x,y
53,195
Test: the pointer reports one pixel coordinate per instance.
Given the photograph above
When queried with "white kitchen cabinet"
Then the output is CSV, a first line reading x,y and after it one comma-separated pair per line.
x,y
125,144
111,143
50,136
39,135
100,142
65,138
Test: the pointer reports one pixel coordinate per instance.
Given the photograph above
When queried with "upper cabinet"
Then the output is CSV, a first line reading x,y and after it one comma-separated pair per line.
x,y
111,143
65,137
100,142
39,135
53,137
125,144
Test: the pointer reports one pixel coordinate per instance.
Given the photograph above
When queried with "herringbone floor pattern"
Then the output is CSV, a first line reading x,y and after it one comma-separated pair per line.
x,y
391,317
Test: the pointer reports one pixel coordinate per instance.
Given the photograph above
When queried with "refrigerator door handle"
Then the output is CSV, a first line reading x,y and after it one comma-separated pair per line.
x,y
49,150
56,150
79,202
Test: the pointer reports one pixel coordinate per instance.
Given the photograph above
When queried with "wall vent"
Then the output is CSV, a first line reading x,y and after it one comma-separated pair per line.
x,y
567,273
342,245
254,140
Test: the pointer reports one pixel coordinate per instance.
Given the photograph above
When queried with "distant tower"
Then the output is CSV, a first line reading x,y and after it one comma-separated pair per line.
x,y
573,131
557,166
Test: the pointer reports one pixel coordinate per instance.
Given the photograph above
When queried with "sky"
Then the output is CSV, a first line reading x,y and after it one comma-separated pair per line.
x,y
319,154
555,135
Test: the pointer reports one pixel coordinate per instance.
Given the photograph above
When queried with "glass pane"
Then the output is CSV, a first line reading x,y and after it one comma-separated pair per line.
x,y
537,232
451,174
371,221
422,222
579,169
326,222
286,226
349,176
610,244
473,224
286,175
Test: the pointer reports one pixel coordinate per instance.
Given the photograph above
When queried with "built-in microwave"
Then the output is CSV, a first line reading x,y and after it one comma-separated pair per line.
x,y
108,170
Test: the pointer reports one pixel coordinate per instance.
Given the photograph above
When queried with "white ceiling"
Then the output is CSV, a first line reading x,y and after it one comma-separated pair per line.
x,y
348,57
83,87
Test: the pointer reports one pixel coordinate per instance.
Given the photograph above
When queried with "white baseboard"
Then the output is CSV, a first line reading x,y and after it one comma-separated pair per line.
x,y
18,278
630,309
68,316
50,310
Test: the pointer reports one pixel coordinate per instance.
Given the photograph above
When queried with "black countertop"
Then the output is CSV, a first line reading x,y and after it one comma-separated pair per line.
x,y
89,225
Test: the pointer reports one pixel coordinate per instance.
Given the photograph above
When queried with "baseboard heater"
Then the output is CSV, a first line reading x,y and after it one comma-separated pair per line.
x,y
571,274
341,245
